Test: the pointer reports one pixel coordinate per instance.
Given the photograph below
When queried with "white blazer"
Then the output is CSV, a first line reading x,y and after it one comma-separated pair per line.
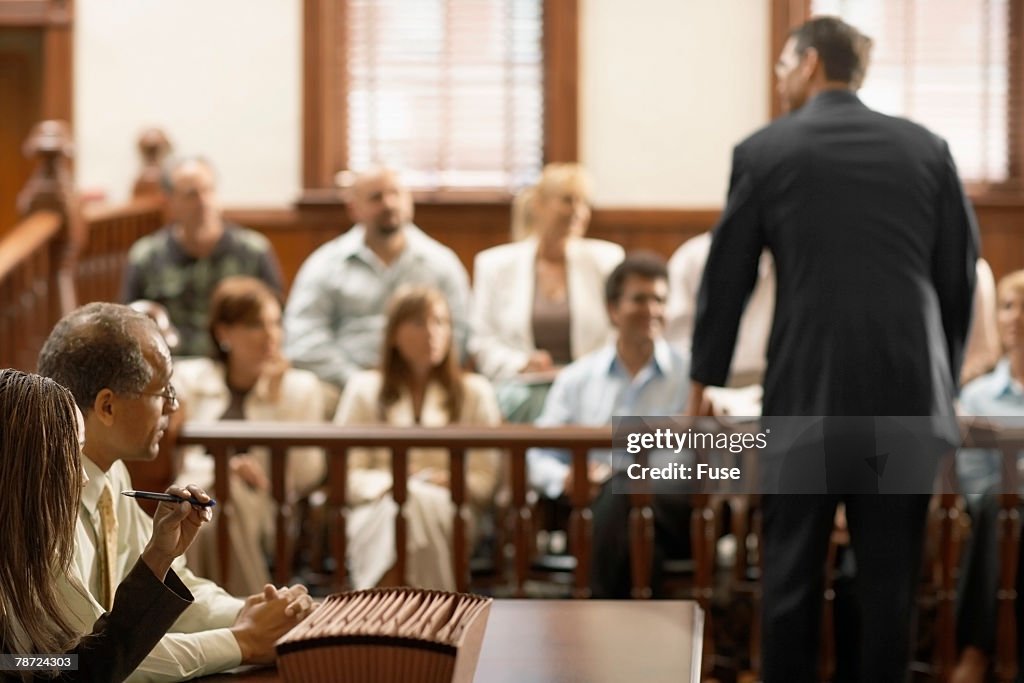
x,y
503,291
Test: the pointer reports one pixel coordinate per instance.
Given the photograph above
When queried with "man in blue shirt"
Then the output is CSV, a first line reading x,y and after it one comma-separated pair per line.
x,y
639,374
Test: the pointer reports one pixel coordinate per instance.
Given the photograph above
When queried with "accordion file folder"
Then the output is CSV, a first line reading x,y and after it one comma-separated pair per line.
x,y
387,635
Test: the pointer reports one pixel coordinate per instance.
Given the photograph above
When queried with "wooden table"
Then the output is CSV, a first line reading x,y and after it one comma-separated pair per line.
x,y
576,641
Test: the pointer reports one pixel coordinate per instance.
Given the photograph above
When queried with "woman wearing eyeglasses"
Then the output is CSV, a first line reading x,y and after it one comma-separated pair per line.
x,y
41,467
247,379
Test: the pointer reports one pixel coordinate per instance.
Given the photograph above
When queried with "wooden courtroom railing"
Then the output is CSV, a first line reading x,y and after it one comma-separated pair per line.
x,y
56,259
30,287
111,231
36,255
223,438
1008,440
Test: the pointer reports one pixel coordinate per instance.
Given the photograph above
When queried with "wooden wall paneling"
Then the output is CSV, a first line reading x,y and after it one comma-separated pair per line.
x,y
658,230
467,227
21,76
58,62
1002,234
294,234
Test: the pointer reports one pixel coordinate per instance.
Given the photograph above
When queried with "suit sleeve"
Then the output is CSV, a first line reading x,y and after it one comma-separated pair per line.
x,y
729,277
954,262
144,608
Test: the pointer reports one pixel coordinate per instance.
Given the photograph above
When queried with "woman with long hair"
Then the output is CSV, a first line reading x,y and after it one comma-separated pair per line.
x,y
419,383
248,378
41,435
538,303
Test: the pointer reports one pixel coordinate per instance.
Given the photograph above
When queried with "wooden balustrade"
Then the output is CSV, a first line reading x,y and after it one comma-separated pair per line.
x,y
1008,440
223,438
30,299
101,261
56,258
36,256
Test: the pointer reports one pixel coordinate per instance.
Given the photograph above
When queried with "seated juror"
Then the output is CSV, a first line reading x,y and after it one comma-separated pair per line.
x,y
639,374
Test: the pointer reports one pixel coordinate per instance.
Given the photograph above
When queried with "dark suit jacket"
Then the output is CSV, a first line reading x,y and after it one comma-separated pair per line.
x,y
143,610
875,248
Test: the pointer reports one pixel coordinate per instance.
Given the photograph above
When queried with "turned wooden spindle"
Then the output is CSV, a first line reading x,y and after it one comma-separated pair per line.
x,y
49,187
154,148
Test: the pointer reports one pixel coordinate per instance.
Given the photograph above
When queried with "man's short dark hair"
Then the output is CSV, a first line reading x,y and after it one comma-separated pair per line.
x,y
843,49
645,264
94,348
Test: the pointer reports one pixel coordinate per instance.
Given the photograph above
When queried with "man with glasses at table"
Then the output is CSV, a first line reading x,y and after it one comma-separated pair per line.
x,y
117,365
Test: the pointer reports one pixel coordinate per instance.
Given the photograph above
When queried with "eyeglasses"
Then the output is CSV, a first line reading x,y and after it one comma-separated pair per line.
x,y
169,395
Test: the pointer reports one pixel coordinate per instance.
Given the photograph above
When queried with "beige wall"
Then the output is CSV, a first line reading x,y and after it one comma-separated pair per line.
x,y
222,77
667,87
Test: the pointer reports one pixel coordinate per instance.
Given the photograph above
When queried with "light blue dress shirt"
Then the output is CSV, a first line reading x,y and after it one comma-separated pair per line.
x,y
993,395
334,321
596,388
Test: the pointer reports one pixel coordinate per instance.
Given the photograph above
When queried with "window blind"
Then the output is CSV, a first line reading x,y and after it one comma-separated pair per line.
x,y
944,64
448,91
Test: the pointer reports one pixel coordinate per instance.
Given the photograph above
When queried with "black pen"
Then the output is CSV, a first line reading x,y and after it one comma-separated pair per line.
x,y
167,498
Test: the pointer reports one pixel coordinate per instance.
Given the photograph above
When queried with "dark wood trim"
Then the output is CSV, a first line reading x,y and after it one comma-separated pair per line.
x,y
471,225
56,20
1015,103
36,13
270,219
561,80
58,63
324,148
785,15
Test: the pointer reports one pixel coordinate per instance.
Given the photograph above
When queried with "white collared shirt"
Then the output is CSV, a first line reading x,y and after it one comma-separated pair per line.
x,y
199,642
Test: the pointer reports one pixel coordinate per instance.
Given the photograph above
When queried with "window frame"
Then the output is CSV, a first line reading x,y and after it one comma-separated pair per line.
x,y
325,151
787,14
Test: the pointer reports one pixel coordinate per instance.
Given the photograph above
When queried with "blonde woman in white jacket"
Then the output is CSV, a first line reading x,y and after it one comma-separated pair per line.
x,y
538,304
248,380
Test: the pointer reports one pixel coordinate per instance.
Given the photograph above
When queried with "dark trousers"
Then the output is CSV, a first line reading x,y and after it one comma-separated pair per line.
x,y
887,536
979,580
611,576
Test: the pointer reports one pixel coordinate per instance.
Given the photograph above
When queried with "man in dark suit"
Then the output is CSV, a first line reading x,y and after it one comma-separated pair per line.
x,y
874,245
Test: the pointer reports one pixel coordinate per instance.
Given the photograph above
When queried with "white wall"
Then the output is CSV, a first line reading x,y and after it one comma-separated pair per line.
x,y
667,88
223,78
